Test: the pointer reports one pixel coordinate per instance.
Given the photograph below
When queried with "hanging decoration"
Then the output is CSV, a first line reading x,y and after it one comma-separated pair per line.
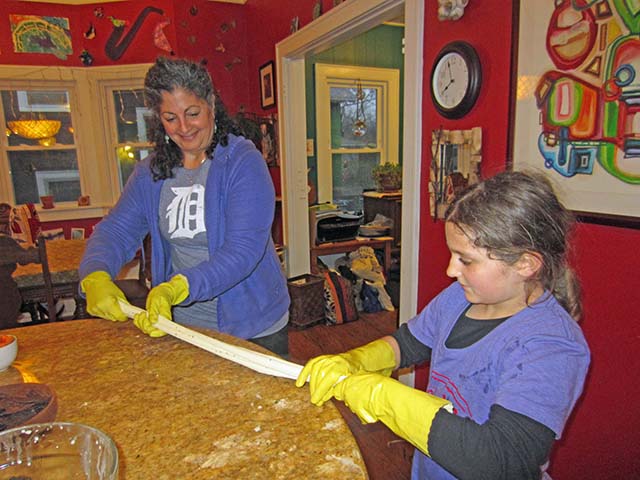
x,y
229,66
160,39
193,10
98,12
451,9
226,26
35,34
294,25
86,58
122,109
360,124
90,34
116,45
317,9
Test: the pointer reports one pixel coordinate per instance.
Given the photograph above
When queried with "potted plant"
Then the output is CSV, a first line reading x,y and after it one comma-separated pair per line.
x,y
388,176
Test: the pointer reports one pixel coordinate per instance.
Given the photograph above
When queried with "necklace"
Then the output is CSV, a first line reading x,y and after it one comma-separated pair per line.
x,y
190,174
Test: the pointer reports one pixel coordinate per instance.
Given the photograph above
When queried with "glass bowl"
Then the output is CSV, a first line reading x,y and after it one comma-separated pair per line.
x,y
57,450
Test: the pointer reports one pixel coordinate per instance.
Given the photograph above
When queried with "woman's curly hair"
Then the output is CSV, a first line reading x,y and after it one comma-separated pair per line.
x,y
166,75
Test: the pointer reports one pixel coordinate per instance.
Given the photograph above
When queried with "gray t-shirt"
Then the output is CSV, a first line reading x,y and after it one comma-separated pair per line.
x,y
182,214
182,224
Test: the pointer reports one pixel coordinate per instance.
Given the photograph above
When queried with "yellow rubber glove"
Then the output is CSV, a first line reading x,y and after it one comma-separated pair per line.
x,y
159,302
405,410
102,296
325,371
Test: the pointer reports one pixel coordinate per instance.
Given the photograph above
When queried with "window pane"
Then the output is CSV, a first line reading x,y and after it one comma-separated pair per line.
x,y
127,157
352,176
37,118
345,113
45,172
132,116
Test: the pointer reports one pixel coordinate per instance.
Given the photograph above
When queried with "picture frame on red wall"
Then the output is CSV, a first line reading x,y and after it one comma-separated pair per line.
x,y
267,85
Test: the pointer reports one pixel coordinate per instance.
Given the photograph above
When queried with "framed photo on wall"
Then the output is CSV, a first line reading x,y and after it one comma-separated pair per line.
x,y
267,85
575,119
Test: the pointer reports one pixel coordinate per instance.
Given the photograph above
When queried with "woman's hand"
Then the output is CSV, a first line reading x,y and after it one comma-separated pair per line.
x,y
103,296
159,302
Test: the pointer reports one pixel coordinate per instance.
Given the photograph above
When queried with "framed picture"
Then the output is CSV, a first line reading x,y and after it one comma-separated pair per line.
x,y
77,233
268,144
267,85
574,116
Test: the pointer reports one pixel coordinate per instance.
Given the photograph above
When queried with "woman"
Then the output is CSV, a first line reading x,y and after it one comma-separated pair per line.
x,y
207,200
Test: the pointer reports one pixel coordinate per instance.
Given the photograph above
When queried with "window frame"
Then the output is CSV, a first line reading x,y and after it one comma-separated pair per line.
x,y
93,118
387,83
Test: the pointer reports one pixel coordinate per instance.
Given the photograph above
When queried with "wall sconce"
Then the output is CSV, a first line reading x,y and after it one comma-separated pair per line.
x,y
451,9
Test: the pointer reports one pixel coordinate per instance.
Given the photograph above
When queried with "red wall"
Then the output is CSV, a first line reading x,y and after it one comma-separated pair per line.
x,y
141,50
194,35
601,440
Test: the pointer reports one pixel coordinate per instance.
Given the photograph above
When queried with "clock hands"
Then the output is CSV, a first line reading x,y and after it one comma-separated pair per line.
x,y
451,79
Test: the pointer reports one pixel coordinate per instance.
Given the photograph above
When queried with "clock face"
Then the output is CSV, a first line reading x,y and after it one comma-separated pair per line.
x,y
456,79
451,80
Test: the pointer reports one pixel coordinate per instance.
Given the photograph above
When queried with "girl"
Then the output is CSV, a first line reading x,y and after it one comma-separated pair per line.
x,y
507,358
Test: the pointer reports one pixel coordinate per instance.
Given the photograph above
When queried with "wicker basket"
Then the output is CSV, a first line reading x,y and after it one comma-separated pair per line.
x,y
307,300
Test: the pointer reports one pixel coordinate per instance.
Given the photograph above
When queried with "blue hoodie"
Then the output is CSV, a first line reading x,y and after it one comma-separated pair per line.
x,y
243,270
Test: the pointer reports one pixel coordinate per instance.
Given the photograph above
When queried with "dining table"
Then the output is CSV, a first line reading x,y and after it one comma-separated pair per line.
x,y
176,411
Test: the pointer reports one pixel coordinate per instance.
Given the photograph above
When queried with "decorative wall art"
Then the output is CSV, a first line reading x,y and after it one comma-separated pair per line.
x,y
36,34
455,163
116,45
263,132
267,85
577,115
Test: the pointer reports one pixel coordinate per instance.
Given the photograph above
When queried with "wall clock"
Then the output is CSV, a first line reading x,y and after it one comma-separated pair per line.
x,y
455,79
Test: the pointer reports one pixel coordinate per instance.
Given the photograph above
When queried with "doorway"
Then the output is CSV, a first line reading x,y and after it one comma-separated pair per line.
x,y
340,23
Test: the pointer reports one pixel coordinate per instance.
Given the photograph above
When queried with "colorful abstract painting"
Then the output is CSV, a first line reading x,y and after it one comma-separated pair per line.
x,y
36,34
578,101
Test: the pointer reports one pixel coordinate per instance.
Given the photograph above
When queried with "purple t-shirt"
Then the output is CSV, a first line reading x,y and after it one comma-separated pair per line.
x,y
534,363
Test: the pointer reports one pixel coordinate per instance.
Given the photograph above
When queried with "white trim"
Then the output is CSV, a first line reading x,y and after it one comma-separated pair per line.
x,y
337,25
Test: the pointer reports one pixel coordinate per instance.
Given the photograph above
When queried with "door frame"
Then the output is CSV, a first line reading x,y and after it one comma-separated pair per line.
x,y
332,28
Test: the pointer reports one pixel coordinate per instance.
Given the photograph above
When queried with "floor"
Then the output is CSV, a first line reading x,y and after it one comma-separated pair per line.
x,y
385,455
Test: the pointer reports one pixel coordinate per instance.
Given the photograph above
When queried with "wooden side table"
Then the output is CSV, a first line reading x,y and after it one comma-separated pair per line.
x,y
350,246
387,204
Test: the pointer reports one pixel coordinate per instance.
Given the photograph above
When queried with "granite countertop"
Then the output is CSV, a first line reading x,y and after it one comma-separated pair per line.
x,y
179,412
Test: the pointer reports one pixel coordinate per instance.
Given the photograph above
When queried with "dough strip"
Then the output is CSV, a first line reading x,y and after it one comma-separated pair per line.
x,y
259,362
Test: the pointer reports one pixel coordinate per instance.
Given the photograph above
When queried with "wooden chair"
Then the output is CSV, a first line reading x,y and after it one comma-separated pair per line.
x,y
136,289
11,299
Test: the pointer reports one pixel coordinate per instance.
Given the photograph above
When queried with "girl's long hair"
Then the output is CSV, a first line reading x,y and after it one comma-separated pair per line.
x,y
514,213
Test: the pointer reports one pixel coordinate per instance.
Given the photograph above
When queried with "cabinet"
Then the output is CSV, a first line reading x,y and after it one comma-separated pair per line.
x,y
387,204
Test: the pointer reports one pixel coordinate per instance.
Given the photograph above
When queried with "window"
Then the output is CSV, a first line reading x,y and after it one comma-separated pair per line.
x,y
129,142
71,132
41,146
357,128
